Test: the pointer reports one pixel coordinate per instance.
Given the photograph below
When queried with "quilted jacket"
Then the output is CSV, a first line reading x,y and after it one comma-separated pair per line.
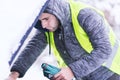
x,y
83,65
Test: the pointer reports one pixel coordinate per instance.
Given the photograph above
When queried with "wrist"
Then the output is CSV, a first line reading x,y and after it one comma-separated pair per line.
x,y
14,74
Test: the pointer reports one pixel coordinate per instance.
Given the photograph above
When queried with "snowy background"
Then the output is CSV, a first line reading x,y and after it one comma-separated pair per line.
x,y
15,18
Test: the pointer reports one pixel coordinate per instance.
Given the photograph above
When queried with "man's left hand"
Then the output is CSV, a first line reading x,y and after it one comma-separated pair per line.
x,y
64,74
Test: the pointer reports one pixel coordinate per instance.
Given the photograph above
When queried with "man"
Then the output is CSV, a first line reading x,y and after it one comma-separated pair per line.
x,y
81,39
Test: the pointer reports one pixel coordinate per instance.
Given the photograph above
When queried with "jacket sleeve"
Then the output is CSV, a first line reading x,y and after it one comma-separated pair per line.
x,y
30,53
94,25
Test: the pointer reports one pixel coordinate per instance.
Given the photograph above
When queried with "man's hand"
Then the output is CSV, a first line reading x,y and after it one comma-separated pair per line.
x,y
13,76
64,74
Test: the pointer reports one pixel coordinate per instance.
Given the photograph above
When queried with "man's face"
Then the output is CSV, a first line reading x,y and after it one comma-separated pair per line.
x,y
49,21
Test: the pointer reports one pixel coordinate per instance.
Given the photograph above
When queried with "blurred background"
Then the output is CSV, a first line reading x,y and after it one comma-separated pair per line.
x,y
11,31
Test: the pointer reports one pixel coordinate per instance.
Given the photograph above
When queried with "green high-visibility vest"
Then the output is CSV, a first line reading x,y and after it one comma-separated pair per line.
x,y
113,63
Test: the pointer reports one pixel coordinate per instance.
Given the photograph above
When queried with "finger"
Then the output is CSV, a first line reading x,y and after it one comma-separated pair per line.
x,y
58,77
58,74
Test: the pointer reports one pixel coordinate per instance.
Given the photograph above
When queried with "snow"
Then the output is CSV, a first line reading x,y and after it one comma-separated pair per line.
x,y
16,16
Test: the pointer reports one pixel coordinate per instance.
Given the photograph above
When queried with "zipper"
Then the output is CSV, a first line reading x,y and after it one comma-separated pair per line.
x,y
63,40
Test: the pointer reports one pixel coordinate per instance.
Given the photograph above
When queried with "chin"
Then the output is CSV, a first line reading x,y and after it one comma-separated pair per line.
x,y
52,30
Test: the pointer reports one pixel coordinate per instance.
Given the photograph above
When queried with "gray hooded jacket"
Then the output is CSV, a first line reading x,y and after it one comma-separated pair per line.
x,y
82,64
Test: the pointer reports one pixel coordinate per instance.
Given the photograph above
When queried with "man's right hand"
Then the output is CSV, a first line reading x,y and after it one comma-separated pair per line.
x,y
13,76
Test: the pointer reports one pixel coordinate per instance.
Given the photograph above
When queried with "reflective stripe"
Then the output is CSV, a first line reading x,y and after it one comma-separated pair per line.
x,y
114,52
115,67
112,36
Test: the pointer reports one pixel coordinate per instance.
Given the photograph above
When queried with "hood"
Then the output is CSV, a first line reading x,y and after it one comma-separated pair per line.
x,y
59,8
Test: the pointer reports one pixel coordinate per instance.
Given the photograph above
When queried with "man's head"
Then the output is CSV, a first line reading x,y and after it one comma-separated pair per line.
x,y
49,21
58,13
